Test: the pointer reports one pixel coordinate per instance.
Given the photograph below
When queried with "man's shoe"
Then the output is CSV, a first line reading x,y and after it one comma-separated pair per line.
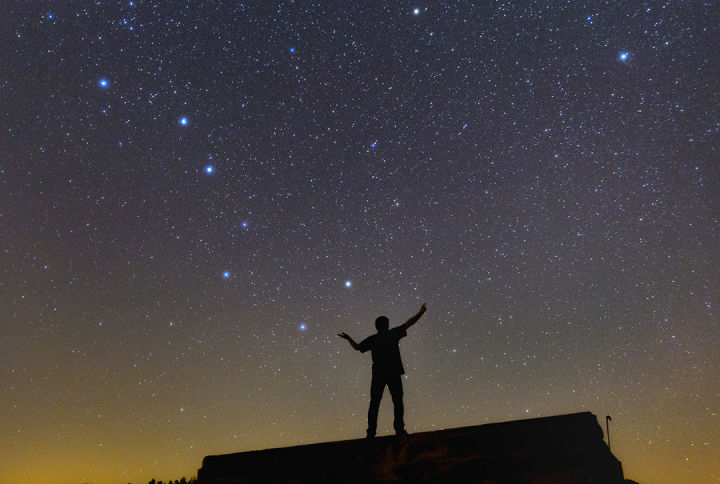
x,y
401,433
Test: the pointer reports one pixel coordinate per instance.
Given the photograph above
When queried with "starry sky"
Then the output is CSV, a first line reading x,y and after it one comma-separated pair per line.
x,y
197,196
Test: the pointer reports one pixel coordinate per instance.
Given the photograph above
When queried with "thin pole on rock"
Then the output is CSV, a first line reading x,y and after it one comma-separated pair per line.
x,y
607,426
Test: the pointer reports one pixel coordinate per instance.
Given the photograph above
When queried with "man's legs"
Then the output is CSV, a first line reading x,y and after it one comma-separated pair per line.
x,y
376,390
396,392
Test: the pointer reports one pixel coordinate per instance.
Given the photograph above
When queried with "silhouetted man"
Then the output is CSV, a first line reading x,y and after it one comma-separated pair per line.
x,y
386,369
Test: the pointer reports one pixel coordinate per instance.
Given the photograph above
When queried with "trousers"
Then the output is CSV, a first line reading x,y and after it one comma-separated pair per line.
x,y
377,387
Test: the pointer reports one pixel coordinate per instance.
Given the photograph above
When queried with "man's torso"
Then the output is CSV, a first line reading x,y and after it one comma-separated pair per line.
x,y
385,351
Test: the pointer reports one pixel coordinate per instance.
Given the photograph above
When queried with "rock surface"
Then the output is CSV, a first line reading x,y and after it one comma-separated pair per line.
x,y
564,449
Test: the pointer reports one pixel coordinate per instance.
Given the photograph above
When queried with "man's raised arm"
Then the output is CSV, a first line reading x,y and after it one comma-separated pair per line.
x,y
414,319
350,340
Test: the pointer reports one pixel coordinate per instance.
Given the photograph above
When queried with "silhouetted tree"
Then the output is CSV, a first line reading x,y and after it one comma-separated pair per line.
x,y
182,480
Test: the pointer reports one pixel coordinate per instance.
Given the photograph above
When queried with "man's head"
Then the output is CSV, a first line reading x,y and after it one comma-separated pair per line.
x,y
382,323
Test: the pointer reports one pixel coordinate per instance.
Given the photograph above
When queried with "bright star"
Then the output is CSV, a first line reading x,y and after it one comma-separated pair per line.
x,y
183,121
226,275
416,11
244,224
104,83
348,283
624,56
373,144
292,50
209,169
303,327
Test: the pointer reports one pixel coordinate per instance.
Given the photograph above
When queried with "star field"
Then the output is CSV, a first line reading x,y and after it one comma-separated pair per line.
x,y
197,197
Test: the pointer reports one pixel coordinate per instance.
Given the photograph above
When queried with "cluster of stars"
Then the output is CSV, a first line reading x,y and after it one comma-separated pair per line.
x,y
219,190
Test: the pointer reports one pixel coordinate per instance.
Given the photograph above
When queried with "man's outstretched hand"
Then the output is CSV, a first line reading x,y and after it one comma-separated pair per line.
x,y
350,340
414,319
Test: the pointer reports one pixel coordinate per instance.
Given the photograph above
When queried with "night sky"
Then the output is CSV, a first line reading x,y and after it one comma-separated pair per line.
x,y
196,197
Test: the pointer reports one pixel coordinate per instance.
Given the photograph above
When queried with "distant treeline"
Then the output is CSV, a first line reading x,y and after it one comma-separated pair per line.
x,y
182,480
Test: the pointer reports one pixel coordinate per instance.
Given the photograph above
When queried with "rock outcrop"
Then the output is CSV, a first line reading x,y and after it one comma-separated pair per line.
x,y
564,449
